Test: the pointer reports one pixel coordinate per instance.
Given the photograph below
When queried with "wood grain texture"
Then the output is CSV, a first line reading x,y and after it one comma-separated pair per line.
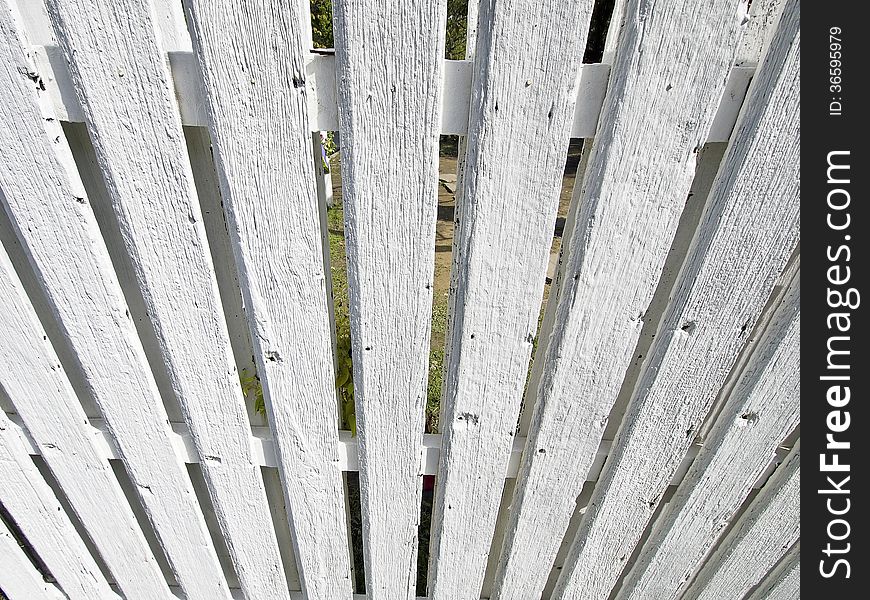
x,y
759,540
132,117
32,377
389,72
784,580
19,579
255,92
53,218
744,240
762,411
524,87
29,500
640,171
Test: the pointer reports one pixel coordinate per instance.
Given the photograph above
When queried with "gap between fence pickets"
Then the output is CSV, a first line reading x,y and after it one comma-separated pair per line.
x,y
323,106
263,450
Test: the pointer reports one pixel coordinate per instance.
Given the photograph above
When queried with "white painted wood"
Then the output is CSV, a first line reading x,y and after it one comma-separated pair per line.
x,y
635,186
759,540
19,579
38,515
62,240
255,92
784,581
740,250
389,76
132,117
525,84
762,410
758,27
322,103
31,375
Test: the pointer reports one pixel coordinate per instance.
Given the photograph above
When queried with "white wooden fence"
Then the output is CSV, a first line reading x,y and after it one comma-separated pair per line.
x,y
150,252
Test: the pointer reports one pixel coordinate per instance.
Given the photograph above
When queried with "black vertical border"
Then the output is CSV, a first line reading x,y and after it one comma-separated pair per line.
x,y
831,254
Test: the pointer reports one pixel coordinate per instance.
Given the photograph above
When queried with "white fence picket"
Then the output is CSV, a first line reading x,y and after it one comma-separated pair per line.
x,y
784,581
256,99
641,167
34,380
740,250
389,74
19,579
523,96
132,116
61,238
759,540
764,408
31,503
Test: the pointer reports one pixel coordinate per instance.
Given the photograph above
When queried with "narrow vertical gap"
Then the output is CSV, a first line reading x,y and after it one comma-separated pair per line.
x,y
427,500
200,490
92,179
568,538
46,473
321,24
456,33
151,536
442,274
599,24
205,179
24,544
355,530
575,163
335,257
504,512
651,526
281,523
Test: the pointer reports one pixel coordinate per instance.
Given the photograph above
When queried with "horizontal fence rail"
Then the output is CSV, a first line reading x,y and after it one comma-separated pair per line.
x,y
323,106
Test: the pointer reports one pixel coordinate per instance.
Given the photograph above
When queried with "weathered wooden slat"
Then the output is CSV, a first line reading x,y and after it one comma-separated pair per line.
x,y
527,59
132,117
256,98
784,581
640,171
744,241
763,409
759,540
33,378
389,74
30,501
19,579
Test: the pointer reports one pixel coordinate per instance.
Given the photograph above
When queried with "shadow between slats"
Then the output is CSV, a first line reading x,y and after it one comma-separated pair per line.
x,y
25,545
47,319
73,517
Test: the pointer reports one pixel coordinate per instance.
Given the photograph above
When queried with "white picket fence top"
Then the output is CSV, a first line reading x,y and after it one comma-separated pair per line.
x,y
163,227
